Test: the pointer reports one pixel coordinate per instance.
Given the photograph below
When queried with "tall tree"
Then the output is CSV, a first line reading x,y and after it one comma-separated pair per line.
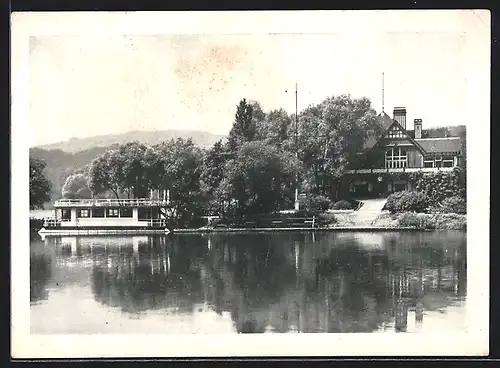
x,y
134,171
39,185
331,135
212,176
243,129
260,177
181,162
106,174
275,129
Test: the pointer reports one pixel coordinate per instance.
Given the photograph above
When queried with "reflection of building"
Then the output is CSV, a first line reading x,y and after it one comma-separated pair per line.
x,y
280,284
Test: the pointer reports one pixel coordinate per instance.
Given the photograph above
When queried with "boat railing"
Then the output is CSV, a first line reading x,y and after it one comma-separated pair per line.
x,y
157,222
51,222
109,202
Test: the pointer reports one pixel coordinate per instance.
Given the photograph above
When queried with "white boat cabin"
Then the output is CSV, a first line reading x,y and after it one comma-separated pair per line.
x,y
108,213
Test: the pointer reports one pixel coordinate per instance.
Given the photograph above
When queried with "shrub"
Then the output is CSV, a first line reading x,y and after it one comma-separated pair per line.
x,y
440,185
407,201
417,220
344,205
316,203
327,219
451,221
454,204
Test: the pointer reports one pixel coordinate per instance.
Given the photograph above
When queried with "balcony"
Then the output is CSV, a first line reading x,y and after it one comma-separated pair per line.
x,y
401,170
140,202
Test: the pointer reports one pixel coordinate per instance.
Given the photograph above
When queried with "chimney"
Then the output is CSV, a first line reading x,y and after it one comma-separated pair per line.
x,y
400,116
417,123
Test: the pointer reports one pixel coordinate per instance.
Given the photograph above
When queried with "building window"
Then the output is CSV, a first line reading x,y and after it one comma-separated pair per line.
x,y
125,212
84,213
448,161
438,162
428,163
112,212
98,212
395,158
395,133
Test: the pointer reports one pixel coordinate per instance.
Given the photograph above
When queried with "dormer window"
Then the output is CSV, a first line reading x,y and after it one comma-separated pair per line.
x,y
396,158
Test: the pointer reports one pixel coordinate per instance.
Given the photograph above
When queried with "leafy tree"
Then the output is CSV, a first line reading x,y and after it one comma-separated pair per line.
x,y
244,127
181,167
76,186
259,177
133,166
331,135
106,174
39,185
212,175
275,129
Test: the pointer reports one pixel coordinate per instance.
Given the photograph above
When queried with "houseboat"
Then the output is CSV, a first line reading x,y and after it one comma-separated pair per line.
x,y
107,217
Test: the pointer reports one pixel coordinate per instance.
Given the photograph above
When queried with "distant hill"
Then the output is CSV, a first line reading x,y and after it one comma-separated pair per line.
x,y
65,158
201,139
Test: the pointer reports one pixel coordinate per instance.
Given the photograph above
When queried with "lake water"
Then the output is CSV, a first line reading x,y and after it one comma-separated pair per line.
x,y
302,282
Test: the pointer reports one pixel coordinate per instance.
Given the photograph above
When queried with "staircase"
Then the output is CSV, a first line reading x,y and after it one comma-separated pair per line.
x,y
368,212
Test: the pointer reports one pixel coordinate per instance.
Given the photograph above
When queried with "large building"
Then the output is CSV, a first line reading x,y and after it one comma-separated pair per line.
x,y
388,159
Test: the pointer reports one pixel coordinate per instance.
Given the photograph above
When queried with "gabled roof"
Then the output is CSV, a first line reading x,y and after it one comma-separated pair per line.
x,y
385,121
440,145
413,141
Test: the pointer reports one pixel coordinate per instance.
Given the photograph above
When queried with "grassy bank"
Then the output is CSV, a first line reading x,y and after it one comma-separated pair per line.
x,y
427,221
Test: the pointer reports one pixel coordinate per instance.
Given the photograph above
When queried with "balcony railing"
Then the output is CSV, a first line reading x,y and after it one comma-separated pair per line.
x,y
401,170
141,202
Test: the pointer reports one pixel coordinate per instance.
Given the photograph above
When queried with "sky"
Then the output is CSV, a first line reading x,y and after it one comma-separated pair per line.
x,y
94,84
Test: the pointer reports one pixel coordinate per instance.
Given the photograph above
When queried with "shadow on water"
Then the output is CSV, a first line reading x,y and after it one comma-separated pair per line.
x,y
273,282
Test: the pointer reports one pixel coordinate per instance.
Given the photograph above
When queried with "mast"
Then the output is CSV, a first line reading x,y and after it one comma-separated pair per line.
x,y
296,151
382,91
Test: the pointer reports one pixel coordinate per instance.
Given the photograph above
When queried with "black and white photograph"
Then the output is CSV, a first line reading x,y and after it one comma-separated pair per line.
x,y
250,183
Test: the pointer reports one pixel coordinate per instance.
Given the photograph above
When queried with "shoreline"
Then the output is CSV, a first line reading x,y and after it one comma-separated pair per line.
x,y
296,229
368,229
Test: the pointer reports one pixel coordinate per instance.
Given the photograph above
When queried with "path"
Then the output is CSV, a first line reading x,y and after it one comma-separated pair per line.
x,y
368,212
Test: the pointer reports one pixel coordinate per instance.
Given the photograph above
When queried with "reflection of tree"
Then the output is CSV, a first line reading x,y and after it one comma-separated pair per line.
x,y
338,287
285,282
40,275
157,276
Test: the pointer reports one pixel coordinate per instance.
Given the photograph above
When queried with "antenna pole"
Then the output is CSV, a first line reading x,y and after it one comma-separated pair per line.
x,y
296,150
382,91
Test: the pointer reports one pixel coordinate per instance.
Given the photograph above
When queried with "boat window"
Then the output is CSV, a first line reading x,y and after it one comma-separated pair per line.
x,y
144,213
84,212
125,212
98,212
66,214
112,212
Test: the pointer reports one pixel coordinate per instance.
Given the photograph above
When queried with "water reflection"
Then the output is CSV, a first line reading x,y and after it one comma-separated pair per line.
x,y
335,282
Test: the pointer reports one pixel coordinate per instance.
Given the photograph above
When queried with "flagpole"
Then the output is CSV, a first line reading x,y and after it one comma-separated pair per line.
x,y
296,151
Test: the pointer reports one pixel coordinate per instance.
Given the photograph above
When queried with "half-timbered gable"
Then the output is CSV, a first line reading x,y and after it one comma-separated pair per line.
x,y
398,152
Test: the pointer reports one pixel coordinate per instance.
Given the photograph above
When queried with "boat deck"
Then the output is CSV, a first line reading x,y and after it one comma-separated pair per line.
x,y
74,203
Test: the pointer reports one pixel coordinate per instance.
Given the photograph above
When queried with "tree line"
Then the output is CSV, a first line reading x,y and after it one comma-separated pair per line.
x,y
255,170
